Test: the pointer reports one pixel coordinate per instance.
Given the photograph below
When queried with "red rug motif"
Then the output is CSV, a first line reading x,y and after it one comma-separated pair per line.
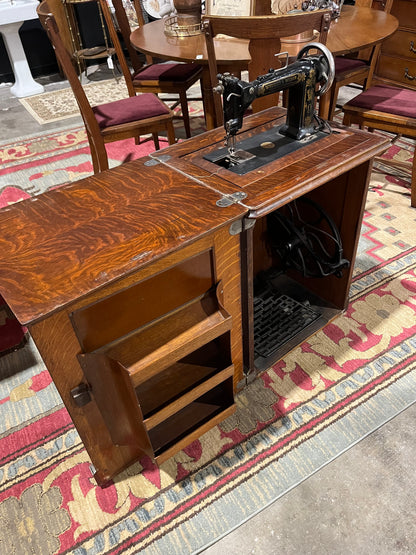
x,y
49,502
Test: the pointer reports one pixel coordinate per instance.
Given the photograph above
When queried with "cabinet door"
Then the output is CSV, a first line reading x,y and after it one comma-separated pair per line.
x,y
149,363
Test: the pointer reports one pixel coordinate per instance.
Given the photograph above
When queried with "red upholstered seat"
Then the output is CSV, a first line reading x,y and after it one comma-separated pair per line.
x,y
170,78
126,110
12,334
348,64
390,109
167,72
385,98
351,70
113,121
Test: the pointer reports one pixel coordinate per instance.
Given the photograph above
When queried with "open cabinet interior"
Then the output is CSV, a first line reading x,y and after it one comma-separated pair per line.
x,y
157,357
302,261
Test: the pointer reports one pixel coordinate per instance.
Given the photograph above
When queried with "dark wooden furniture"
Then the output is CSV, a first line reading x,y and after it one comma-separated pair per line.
x,y
137,283
397,60
351,71
356,29
264,34
112,121
334,171
389,109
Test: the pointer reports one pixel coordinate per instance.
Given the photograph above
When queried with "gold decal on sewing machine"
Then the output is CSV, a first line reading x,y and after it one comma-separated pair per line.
x,y
301,78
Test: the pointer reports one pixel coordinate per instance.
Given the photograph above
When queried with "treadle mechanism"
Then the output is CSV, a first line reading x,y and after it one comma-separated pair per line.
x,y
277,319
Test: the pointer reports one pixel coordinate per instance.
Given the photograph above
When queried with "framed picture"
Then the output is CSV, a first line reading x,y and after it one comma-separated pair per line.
x,y
229,7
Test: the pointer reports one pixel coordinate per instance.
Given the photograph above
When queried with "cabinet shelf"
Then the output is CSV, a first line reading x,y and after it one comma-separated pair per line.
x,y
168,378
183,376
152,348
186,398
217,403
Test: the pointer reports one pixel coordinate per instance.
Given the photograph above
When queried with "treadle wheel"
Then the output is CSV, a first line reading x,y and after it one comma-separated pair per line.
x,y
305,238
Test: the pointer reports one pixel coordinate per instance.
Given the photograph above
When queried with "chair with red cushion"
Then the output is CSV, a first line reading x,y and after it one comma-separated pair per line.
x,y
171,77
390,109
121,119
348,71
356,69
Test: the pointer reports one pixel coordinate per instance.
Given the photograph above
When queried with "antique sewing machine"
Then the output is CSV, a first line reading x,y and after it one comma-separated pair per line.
x,y
302,126
146,287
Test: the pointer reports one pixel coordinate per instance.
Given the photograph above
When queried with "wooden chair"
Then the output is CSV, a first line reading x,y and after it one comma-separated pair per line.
x,y
113,121
351,70
388,109
171,78
358,69
264,34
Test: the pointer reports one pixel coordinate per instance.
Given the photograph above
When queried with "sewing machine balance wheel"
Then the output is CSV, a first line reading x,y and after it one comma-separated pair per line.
x,y
329,74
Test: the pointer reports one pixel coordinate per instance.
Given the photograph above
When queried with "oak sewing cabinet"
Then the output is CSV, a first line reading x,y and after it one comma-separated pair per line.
x,y
137,283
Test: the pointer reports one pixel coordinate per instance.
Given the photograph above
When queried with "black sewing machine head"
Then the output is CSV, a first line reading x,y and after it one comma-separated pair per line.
x,y
302,125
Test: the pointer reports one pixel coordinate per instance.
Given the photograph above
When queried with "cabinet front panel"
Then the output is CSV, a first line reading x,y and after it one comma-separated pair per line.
x,y
120,314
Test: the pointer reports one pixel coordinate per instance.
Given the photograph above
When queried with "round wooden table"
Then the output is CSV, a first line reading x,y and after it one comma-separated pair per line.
x,y
357,28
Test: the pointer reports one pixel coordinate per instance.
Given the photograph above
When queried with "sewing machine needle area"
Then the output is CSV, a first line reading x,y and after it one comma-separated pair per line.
x,y
256,151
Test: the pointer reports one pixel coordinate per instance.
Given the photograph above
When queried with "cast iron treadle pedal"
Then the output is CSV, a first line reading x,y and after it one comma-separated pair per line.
x,y
277,319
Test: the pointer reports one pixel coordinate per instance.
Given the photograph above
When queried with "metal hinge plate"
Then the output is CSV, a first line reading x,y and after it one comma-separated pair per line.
x,y
228,200
241,225
157,160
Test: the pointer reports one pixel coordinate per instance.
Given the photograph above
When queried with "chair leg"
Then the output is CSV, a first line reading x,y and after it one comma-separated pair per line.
x,y
156,140
346,120
171,132
333,100
99,155
185,113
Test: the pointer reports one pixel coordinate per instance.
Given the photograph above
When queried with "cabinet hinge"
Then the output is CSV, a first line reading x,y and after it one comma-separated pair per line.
x,y
157,160
241,225
228,200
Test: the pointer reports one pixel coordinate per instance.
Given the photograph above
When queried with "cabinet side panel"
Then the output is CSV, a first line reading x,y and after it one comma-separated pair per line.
x,y
228,270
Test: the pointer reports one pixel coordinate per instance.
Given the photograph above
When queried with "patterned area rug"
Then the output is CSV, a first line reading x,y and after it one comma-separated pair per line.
x,y
59,105
330,392
55,106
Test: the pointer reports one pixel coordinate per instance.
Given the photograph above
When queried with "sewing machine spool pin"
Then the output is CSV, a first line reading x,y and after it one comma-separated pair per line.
x,y
286,54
